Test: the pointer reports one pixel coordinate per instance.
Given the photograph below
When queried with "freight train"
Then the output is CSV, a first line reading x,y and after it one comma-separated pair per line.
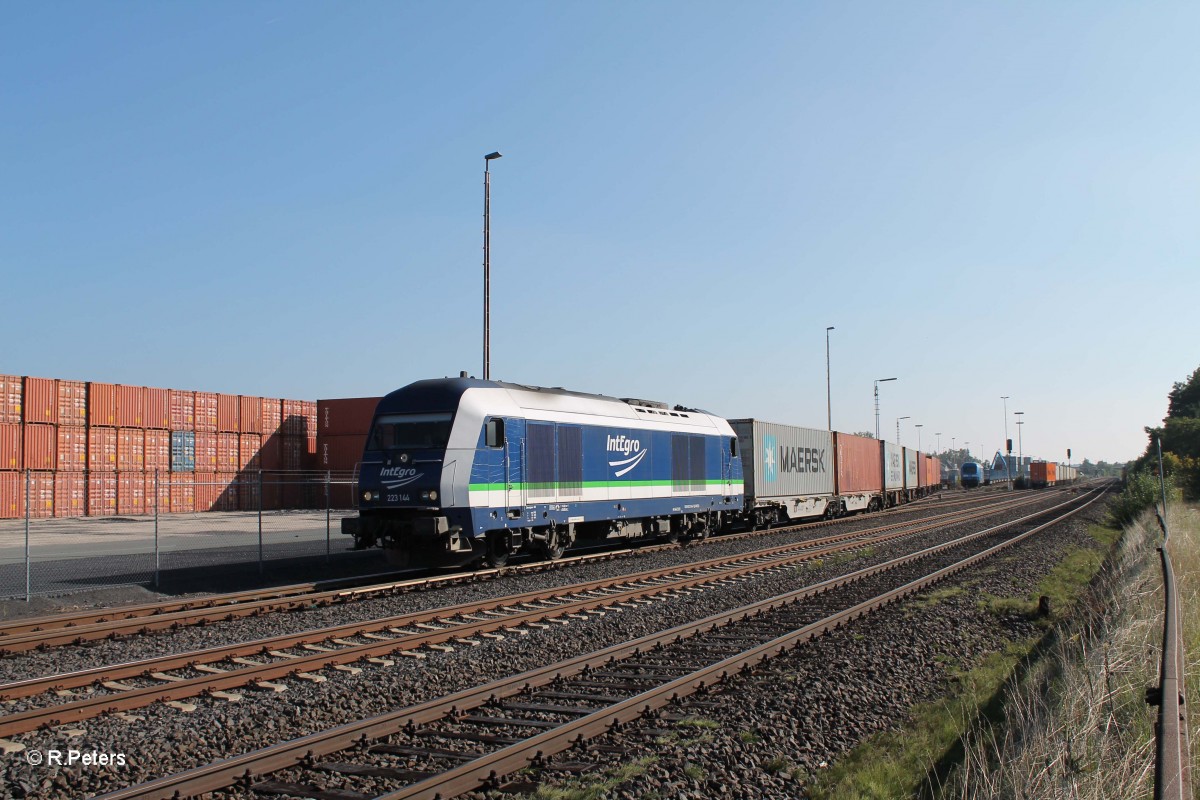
x,y
459,470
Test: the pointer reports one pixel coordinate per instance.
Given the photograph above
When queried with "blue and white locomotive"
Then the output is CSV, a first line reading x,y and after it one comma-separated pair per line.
x,y
460,469
971,474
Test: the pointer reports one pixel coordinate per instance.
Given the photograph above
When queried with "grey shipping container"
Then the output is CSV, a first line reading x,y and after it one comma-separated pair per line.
x,y
911,469
784,461
893,466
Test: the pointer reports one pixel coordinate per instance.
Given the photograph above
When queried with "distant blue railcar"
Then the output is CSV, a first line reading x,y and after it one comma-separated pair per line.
x,y
971,474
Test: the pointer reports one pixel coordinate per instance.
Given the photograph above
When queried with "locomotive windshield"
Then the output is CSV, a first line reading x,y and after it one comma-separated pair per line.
x,y
410,432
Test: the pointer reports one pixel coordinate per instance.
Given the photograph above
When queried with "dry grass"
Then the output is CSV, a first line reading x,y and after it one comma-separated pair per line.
x,y
1076,724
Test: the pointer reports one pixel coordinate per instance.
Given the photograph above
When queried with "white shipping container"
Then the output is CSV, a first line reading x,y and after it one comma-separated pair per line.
x,y
911,479
783,460
893,466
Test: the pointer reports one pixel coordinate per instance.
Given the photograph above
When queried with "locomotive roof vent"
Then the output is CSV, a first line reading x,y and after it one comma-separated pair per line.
x,y
633,401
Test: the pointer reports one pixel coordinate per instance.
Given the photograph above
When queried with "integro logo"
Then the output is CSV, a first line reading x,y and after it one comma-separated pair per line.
x,y
624,445
399,476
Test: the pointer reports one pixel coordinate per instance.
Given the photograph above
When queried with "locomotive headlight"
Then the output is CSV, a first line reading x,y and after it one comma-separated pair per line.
x,y
433,494
367,496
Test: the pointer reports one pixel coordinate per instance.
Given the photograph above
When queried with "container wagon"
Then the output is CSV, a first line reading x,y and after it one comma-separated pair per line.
x,y
1042,474
789,472
859,473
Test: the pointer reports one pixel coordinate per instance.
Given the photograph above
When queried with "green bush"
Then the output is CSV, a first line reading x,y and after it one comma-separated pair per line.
x,y
1141,491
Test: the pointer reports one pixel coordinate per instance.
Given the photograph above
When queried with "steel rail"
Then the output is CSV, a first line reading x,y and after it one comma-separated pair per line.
x,y
112,628
240,769
174,688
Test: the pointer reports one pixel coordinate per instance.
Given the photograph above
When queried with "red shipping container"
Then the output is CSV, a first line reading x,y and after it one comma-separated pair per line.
x,y
102,450
271,452
156,409
183,493
41,401
292,452
158,451
183,410
249,449
41,494
164,492
102,494
131,493
131,450
207,491
131,412
102,404
206,452
293,417
859,465
227,452
38,446
308,410
340,453
71,450
72,403
227,413
10,399
227,497
206,412
350,416
248,493
70,494
272,416
249,414
12,495
10,446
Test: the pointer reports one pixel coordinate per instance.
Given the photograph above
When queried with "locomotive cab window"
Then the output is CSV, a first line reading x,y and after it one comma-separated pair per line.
x,y
733,446
410,432
495,433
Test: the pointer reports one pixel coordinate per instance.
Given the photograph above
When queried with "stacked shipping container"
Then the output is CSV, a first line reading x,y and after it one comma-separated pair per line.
x,y
101,448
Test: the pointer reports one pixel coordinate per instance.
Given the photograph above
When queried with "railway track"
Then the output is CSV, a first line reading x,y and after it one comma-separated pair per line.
x,y
471,739
217,671
80,627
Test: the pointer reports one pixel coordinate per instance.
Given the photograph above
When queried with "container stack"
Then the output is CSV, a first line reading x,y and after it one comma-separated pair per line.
x,y
342,428
101,449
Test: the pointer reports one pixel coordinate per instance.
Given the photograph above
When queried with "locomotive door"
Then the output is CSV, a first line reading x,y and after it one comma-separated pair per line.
x,y
514,466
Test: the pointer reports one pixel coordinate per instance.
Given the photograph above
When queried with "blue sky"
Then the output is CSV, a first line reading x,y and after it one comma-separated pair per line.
x,y
286,199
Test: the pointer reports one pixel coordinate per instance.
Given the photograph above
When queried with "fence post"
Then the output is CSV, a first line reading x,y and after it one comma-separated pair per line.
x,y
156,551
260,538
28,572
327,515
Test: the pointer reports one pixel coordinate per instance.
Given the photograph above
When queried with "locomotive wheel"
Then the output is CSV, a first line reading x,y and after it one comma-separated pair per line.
x,y
553,548
497,551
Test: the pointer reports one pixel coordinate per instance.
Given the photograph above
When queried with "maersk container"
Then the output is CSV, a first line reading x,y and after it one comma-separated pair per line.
x,y
784,461
893,466
911,470
183,451
858,468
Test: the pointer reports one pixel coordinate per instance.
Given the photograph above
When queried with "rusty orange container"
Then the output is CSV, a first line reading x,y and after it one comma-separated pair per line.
x,y
102,450
249,447
72,403
10,399
206,452
40,404
12,495
207,490
70,494
70,454
248,493
41,494
227,413
308,410
102,404
183,492
158,451
227,497
292,413
206,412
131,450
859,469
249,414
183,410
102,494
227,452
272,416
156,406
10,446
131,408
340,453
38,445
292,452
131,493
164,492
271,452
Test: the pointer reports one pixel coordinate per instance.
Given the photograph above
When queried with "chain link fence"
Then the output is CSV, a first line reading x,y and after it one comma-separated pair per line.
x,y
173,532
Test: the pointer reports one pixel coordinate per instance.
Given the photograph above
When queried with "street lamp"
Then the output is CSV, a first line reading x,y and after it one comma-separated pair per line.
x,y
828,401
1008,456
1020,448
898,428
877,382
487,264
939,443
918,426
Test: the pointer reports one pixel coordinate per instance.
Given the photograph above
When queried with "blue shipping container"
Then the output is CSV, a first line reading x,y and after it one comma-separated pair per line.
x,y
183,451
